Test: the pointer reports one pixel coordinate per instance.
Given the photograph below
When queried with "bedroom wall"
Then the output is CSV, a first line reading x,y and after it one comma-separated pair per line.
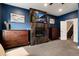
x,y
7,10
78,25
0,17
0,24
0,10
64,17
69,16
51,17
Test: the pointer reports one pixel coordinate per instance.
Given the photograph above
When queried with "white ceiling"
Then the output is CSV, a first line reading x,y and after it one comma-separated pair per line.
x,y
52,9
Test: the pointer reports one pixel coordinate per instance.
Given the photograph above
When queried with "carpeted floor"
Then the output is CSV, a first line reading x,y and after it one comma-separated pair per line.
x,y
53,48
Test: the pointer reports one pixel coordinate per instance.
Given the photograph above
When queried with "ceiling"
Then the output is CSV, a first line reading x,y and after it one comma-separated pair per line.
x,y
50,9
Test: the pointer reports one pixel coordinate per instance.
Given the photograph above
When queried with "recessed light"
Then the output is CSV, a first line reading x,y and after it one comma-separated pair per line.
x,y
45,4
60,10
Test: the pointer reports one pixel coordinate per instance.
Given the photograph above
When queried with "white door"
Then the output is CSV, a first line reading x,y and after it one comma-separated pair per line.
x,y
63,30
75,30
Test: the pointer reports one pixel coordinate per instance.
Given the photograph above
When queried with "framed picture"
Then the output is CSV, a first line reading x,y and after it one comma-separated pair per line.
x,y
17,18
52,21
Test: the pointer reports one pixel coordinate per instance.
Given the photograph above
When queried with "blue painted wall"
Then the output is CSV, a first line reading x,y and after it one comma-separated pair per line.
x,y
78,24
0,17
64,17
0,11
51,17
7,9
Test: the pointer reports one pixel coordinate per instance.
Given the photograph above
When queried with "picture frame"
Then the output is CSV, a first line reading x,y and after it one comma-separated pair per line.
x,y
17,18
52,21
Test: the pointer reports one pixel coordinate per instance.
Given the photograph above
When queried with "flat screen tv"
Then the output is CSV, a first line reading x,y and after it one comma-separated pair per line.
x,y
40,17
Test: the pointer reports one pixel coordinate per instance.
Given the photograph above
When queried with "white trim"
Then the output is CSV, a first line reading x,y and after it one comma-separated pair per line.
x,y
75,29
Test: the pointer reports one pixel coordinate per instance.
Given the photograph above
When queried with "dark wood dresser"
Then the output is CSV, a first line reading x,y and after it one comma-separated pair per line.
x,y
14,38
54,33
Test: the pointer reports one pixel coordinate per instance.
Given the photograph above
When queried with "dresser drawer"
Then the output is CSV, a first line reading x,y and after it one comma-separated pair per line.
x,y
14,38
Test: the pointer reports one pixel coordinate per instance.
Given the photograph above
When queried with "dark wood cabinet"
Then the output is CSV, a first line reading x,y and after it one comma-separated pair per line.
x,y
54,33
14,38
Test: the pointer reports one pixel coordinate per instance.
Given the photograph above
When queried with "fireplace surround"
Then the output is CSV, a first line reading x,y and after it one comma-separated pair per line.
x,y
39,27
39,34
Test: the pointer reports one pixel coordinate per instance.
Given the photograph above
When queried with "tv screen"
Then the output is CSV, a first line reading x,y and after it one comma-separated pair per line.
x,y
40,17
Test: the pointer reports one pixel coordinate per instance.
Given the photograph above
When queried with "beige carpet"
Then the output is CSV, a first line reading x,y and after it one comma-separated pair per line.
x,y
54,48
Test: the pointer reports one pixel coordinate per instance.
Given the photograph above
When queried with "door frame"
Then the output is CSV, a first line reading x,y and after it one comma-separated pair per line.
x,y
63,30
75,29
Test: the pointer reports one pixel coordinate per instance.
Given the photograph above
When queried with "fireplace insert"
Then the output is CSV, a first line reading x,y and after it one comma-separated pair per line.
x,y
40,30
39,25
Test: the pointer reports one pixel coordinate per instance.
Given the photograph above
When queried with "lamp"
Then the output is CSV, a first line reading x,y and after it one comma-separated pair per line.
x,y
7,24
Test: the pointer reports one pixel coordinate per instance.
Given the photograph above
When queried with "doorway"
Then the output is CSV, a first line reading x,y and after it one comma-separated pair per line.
x,y
72,25
70,29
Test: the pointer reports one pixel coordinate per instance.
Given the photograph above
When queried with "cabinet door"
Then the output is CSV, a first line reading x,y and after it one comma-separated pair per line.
x,y
55,33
